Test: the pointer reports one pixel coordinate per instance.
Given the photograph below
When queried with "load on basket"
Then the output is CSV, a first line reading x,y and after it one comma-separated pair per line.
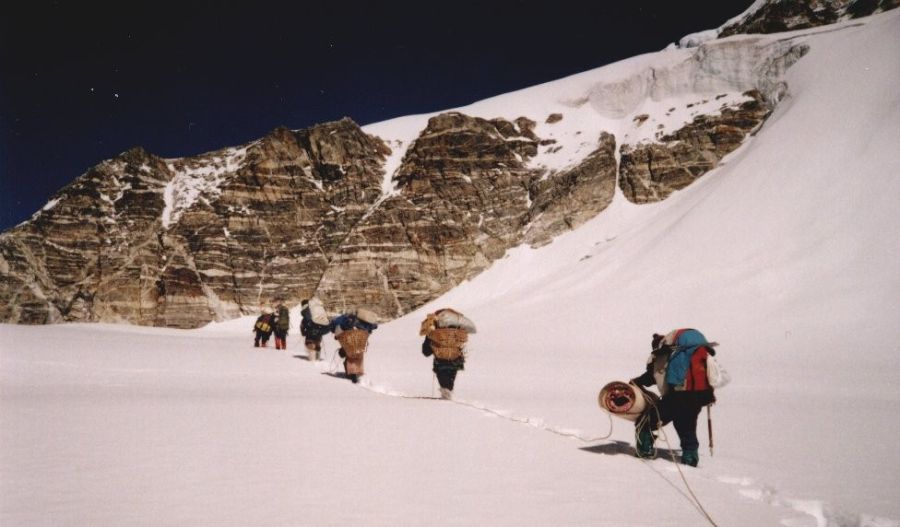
x,y
625,400
366,315
315,311
353,341
446,318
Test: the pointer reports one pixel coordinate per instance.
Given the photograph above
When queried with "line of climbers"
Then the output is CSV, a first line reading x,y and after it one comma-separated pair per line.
x,y
446,333
680,365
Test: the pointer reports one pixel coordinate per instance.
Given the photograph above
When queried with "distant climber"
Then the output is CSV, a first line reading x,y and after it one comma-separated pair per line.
x,y
677,365
446,333
282,325
314,326
263,328
352,331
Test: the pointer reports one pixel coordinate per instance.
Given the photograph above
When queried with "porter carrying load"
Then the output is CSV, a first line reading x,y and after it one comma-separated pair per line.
x,y
446,333
352,331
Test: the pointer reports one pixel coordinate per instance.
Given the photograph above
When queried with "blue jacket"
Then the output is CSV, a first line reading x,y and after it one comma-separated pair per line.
x,y
348,321
680,359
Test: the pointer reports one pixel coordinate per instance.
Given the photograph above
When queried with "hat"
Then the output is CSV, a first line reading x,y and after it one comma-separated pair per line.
x,y
657,341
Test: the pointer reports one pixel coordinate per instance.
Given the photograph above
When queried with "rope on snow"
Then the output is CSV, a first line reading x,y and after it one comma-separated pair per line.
x,y
695,501
538,423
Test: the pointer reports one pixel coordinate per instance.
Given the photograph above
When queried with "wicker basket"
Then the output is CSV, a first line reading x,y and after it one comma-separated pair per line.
x,y
447,343
353,341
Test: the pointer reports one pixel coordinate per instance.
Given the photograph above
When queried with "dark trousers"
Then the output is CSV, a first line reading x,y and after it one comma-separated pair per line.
x,y
261,337
446,378
446,370
681,409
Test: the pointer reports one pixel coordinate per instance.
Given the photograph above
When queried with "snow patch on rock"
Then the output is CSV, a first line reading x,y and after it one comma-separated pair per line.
x,y
197,178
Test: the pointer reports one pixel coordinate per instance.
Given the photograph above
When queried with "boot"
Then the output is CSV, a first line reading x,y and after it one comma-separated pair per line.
x,y
644,443
446,394
690,457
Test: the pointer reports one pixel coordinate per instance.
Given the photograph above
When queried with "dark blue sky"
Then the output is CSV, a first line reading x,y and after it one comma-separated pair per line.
x,y
83,81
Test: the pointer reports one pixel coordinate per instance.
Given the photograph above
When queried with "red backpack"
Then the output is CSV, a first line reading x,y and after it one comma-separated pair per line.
x,y
696,379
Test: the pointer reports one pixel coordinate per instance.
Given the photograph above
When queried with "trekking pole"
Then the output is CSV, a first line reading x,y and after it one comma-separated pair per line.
x,y
333,367
709,428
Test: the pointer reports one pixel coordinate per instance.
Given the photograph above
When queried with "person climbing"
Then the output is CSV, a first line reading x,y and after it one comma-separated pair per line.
x,y
677,366
282,325
352,330
314,326
263,328
446,333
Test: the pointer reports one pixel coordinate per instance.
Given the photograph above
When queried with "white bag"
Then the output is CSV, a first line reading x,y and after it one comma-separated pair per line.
x,y
317,312
367,315
449,318
716,374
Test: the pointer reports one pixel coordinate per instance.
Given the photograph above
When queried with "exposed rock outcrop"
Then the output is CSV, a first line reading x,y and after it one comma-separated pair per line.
x,y
182,242
274,221
87,250
651,171
462,196
570,198
776,16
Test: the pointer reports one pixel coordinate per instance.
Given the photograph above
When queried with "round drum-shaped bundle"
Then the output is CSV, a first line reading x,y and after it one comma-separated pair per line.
x,y
624,400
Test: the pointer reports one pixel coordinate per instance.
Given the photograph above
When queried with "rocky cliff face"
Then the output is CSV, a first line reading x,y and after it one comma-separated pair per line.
x,y
776,16
359,219
464,196
652,171
462,191
83,256
182,242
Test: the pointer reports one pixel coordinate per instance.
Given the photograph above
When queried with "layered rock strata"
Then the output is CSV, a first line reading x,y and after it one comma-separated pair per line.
x,y
651,171
182,242
464,196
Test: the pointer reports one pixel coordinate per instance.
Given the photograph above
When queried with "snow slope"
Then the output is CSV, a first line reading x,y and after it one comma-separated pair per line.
x,y
788,255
